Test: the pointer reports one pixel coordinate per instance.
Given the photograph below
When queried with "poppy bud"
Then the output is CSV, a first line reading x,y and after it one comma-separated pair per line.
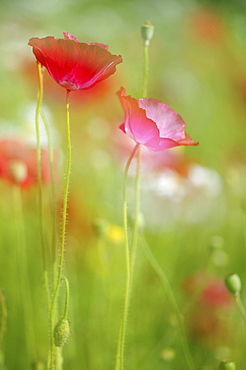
x,y
61,332
233,283
147,31
227,365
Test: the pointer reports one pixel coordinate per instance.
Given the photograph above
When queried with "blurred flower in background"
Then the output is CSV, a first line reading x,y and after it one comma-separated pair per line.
x,y
18,162
208,309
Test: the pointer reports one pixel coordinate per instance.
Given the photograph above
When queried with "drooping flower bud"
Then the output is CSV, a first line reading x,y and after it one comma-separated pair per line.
x,y
233,283
147,31
227,365
61,332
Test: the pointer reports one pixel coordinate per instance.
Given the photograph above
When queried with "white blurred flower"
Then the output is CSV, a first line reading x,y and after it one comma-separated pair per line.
x,y
169,197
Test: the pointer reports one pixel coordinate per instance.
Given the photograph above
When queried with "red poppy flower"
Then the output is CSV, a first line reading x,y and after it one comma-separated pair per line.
x,y
74,65
18,163
153,124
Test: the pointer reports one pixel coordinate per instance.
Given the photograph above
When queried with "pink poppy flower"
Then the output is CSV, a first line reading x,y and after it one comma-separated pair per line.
x,y
74,65
153,124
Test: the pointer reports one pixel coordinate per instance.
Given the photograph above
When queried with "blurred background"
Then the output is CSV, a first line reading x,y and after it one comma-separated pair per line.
x,y
193,199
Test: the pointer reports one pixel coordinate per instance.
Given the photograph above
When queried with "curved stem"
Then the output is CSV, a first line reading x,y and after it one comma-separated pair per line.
x,y
172,302
40,193
67,297
63,232
122,334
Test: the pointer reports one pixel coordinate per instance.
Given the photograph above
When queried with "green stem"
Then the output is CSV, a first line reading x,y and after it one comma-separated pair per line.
x,y
53,198
130,260
241,307
145,71
40,194
122,334
137,211
3,317
63,231
52,177
172,302
67,297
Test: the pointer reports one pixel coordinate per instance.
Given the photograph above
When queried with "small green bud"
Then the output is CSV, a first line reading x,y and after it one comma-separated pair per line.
x,y
61,332
227,365
233,283
147,31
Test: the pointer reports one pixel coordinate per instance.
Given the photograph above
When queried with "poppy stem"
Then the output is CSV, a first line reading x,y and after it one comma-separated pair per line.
x,y
66,298
240,307
63,233
137,213
53,194
145,71
122,333
40,193
3,310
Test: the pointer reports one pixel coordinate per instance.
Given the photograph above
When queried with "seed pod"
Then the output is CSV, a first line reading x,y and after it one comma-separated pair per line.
x,y
147,31
233,283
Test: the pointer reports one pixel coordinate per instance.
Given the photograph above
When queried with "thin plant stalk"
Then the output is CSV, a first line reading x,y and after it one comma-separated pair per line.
x,y
137,213
122,334
171,300
53,195
40,193
3,319
65,315
240,307
130,258
60,262
25,286
145,71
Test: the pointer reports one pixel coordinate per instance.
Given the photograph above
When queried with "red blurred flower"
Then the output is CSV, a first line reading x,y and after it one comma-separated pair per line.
x,y
74,65
206,25
18,163
210,302
153,124
211,290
